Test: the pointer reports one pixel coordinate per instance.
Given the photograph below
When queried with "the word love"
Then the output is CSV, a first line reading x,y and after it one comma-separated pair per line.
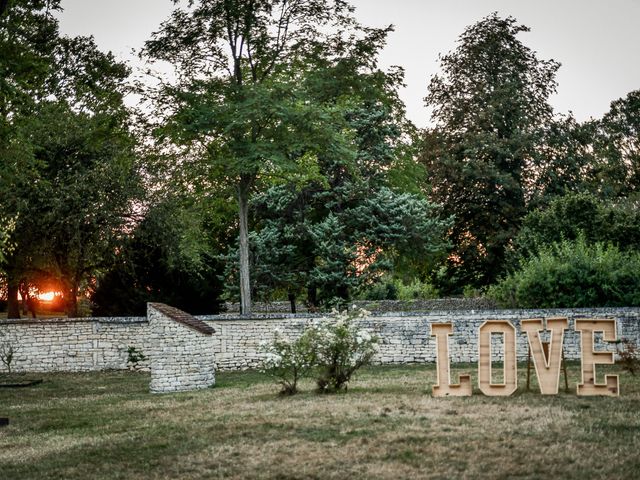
x,y
547,365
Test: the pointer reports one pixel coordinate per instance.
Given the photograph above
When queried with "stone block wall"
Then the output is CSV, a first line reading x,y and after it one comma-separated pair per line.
x,y
405,337
102,343
181,350
75,345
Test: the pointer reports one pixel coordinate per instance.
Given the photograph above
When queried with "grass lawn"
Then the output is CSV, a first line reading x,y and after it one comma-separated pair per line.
x,y
106,425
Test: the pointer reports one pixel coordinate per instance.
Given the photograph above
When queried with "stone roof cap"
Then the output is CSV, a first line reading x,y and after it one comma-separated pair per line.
x,y
183,317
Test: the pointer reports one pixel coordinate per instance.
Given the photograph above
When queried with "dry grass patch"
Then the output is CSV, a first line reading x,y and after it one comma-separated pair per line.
x,y
386,426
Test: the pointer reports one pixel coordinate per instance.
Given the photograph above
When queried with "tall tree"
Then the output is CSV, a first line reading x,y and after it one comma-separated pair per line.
x,y
238,102
564,162
28,34
89,182
617,148
67,175
489,103
598,156
332,236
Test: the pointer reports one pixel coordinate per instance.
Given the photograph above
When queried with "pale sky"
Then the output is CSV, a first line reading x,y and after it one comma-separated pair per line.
x,y
597,41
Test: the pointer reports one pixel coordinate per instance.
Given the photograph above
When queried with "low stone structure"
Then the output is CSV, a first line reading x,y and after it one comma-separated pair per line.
x,y
102,343
181,350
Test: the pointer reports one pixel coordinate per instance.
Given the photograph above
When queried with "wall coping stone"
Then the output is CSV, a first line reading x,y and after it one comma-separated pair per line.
x,y
47,321
183,318
541,312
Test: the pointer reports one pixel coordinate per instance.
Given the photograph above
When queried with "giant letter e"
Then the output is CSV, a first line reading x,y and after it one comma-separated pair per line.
x,y
591,358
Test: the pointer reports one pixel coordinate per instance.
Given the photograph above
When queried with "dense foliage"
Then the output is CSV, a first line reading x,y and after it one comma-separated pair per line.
x,y
241,101
68,175
167,259
573,273
276,162
490,103
581,214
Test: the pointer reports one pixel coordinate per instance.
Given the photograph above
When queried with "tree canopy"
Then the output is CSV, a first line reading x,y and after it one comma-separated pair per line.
x,y
490,105
273,159
241,94
68,174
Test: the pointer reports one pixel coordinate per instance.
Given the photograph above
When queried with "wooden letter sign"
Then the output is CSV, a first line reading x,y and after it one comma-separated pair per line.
x,y
591,358
547,367
443,387
510,378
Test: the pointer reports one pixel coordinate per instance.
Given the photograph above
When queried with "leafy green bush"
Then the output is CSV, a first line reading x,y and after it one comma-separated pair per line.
x,y
568,217
382,291
288,361
342,349
573,274
336,347
396,289
134,358
416,290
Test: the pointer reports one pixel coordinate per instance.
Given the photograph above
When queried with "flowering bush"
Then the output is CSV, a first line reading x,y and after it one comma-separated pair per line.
x,y
342,349
287,361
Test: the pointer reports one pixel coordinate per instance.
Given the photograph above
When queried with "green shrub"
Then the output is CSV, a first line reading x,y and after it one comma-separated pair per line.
x,y
134,358
336,347
288,361
342,349
469,291
396,289
416,290
573,274
382,291
576,214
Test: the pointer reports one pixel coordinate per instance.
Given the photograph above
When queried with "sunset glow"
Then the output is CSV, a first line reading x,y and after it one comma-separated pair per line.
x,y
46,296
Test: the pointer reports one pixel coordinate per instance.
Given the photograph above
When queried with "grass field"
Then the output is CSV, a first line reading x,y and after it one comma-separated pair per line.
x,y
106,425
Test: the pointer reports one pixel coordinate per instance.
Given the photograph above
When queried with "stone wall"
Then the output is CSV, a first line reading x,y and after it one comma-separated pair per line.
x,y
181,350
75,345
96,344
380,306
405,337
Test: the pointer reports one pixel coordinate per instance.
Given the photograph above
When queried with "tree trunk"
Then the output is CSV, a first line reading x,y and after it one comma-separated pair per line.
x,y
343,292
71,301
245,283
3,6
23,288
292,301
13,305
312,298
